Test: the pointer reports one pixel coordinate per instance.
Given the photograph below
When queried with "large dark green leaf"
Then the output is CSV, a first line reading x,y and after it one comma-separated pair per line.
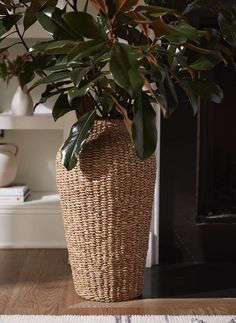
x,y
125,71
7,22
54,47
78,74
167,95
158,72
227,23
35,7
193,98
155,11
77,139
85,49
61,107
53,77
144,130
52,90
183,31
60,64
28,74
206,89
196,4
85,87
51,20
202,64
84,25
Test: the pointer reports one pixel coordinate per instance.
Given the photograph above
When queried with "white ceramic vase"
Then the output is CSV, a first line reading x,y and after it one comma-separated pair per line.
x,y
8,163
22,102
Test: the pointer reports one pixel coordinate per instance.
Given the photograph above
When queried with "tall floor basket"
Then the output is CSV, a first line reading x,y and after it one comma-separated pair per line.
x,y
106,202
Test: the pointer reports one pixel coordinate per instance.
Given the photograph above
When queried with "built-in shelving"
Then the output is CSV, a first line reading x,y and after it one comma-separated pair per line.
x,y
37,222
40,121
43,202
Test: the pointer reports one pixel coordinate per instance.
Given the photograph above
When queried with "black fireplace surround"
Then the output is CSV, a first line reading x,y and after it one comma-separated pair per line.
x,y
198,175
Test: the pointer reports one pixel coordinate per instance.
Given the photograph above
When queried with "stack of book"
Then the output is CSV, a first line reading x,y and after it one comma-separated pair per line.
x,y
14,194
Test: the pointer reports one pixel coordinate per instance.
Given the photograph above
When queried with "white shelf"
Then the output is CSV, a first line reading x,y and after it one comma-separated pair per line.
x,y
40,121
39,202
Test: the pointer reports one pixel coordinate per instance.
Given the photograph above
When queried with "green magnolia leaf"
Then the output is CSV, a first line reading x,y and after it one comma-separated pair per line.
x,y
51,90
76,93
158,73
85,49
35,7
184,31
28,74
78,74
51,20
172,60
45,97
196,4
53,77
202,64
53,47
154,11
7,22
60,65
61,107
144,130
84,25
124,69
193,98
206,89
77,139
177,39
227,23
167,95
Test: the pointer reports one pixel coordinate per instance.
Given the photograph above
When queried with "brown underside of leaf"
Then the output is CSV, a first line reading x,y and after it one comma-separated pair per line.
x,y
160,27
123,111
100,5
125,5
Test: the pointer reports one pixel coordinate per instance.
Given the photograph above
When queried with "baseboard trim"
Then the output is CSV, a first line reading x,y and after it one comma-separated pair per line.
x,y
36,231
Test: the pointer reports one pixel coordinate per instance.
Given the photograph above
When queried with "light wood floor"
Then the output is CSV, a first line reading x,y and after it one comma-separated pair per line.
x,y
39,282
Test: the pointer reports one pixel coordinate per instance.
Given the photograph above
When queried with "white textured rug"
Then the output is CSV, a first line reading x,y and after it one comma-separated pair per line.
x,y
116,319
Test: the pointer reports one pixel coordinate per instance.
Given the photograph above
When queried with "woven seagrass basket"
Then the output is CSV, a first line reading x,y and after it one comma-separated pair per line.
x,y
106,202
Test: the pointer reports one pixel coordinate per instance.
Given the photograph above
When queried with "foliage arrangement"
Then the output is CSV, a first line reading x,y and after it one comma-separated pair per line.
x,y
18,67
120,64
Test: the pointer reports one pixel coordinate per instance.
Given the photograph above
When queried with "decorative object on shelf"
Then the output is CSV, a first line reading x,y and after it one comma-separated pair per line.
x,y
117,67
110,231
14,194
22,102
8,163
23,68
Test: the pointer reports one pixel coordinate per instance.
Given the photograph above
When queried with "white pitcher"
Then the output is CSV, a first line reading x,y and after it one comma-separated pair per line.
x,y
8,163
22,103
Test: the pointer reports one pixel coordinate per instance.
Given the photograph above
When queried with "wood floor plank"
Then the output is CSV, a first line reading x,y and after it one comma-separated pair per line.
x,y
10,268
40,282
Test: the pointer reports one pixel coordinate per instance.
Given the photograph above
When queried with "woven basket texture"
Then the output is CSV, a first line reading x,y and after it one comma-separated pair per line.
x,y
106,202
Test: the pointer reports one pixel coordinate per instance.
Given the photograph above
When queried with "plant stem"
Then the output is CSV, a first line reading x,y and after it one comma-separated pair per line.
x,y
85,6
21,38
68,2
21,1
18,43
96,104
74,5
